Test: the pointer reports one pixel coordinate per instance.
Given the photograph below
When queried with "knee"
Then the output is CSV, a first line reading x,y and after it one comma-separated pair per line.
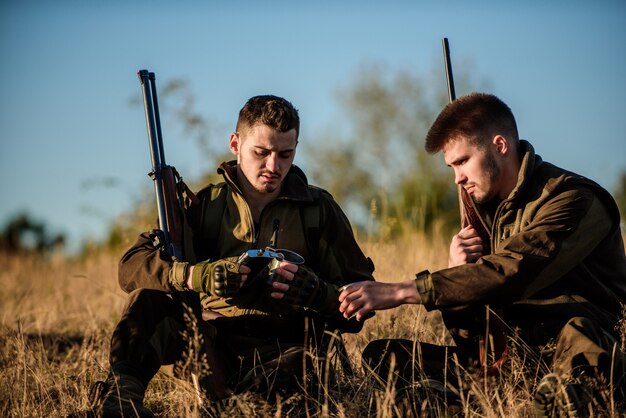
x,y
149,305
376,352
146,295
585,331
580,323
146,298
386,354
582,345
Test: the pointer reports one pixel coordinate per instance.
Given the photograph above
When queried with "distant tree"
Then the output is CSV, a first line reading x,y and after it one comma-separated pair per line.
x,y
377,165
24,234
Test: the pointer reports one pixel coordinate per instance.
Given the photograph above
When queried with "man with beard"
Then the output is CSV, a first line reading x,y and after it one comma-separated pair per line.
x,y
210,315
542,264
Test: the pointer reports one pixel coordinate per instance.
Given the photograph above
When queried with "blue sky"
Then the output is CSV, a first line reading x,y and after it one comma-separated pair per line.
x,y
69,70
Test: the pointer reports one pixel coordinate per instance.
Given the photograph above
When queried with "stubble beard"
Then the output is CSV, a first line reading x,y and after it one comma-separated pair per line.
x,y
492,172
267,188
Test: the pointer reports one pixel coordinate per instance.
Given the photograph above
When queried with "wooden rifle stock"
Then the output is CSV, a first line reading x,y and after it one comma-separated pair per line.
x,y
165,177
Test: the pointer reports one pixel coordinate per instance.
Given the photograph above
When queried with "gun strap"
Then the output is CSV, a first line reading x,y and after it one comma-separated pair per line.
x,y
311,216
212,214
186,198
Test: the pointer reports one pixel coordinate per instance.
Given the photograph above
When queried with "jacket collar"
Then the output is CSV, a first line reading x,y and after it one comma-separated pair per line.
x,y
295,185
530,161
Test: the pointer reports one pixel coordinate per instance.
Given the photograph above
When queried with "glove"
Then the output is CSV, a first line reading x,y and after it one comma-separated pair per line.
x,y
218,278
309,291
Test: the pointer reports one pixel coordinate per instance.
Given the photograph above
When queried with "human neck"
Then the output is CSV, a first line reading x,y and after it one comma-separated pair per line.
x,y
256,200
510,175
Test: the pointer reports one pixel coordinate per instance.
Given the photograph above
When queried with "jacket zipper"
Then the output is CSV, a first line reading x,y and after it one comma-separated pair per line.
x,y
274,238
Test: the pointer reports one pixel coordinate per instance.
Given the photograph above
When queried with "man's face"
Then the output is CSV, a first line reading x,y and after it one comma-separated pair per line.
x,y
264,156
476,169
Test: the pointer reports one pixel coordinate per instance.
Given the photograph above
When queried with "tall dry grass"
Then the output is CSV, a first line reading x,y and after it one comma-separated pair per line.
x,y
57,316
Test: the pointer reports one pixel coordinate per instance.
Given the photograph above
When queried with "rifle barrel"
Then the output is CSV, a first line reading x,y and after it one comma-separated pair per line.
x,y
156,146
157,118
448,64
461,193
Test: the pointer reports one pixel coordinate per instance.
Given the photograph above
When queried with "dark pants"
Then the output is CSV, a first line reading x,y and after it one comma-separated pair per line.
x,y
256,353
409,362
584,348
581,348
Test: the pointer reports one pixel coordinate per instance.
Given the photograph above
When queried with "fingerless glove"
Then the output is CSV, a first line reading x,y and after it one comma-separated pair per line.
x,y
218,278
309,291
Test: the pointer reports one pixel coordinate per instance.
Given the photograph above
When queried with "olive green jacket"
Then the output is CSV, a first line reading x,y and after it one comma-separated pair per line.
x,y
330,248
557,252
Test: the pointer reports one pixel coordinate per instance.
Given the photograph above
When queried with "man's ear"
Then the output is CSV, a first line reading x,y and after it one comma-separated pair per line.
x,y
501,144
234,143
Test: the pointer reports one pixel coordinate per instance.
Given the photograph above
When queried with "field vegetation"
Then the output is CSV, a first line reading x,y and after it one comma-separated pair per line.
x,y
57,316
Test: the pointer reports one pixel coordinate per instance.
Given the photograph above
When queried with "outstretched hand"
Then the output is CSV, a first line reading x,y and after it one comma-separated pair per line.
x,y
361,298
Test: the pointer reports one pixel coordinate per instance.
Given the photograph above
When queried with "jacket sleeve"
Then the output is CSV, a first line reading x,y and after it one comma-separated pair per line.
x,y
144,266
563,232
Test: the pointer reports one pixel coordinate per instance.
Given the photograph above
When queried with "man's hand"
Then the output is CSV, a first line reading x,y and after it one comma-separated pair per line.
x,y
219,278
300,286
360,298
466,247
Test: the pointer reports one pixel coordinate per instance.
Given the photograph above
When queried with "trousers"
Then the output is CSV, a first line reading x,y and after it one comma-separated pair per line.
x,y
580,348
256,353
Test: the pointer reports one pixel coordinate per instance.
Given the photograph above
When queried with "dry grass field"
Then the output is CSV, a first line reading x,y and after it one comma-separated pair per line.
x,y
57,316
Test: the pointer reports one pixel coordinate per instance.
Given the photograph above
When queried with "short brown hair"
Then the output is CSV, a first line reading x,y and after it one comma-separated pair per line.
x,y
273,111
477,116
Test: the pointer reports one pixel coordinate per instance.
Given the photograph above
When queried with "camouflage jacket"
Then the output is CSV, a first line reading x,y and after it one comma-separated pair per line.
x,y
330,248
557,253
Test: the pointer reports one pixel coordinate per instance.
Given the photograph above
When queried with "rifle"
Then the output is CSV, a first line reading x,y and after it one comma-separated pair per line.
x,y
469,216
467,210
167,182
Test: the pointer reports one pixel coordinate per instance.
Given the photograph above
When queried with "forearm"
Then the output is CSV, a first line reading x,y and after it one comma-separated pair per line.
x,y
364,297
407,293
390,295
